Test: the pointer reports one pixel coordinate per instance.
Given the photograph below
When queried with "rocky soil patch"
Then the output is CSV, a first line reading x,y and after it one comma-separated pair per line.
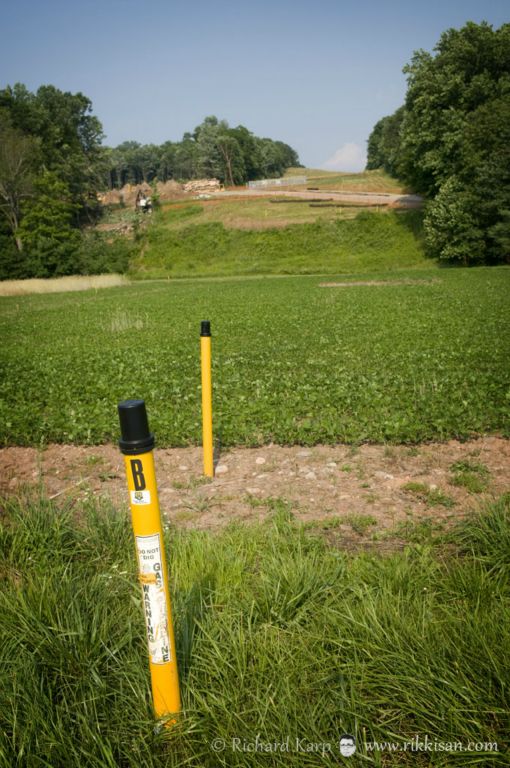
x,y
357,494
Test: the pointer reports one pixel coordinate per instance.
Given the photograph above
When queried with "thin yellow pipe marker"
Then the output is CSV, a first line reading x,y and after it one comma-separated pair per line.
x,y
207,429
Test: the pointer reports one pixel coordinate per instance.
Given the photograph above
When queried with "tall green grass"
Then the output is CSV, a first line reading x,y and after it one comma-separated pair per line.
x,y
277,635
371,241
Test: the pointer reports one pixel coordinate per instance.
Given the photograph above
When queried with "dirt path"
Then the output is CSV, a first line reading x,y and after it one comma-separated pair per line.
x,y
359,493
358,198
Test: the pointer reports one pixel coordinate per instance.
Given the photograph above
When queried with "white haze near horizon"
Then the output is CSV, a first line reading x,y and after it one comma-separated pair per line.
x,y
350,157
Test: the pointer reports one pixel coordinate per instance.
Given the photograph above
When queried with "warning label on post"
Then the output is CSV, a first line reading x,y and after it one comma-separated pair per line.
x,y
151,577
140,497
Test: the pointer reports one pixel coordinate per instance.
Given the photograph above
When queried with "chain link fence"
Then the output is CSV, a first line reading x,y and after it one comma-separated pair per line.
x,y
285,182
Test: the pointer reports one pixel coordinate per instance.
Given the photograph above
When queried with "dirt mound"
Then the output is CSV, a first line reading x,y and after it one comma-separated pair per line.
x,y
169,190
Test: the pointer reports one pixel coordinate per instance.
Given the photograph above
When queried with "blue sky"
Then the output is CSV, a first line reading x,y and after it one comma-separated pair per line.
x,y
317,75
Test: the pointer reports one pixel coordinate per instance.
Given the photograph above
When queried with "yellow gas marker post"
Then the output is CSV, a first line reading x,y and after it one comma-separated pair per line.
x,y
207,431
136,444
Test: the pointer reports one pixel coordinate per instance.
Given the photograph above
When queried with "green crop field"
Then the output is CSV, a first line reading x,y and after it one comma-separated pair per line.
x,y
423,357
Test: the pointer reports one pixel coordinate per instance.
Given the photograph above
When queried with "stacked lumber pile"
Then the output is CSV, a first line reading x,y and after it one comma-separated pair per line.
x,y
202,186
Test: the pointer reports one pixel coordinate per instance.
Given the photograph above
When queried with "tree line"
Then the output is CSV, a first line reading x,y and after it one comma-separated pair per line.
x,y
212,150
53,163
450,140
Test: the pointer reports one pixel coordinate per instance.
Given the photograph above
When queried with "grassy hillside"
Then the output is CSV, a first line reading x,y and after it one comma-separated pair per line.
x,y
177,244
422,357
278,636
262,235
366,181
258,212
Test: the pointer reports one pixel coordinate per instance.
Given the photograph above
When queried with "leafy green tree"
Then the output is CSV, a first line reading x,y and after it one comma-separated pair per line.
x,y
19,158
186,158
276,157
69,137
452,229
451,141
232,165
166,167
219,154
249,147
470,69
289,158
375,154
128,156
485,154
11,260
208,153
148,162
384,143
49,237
117,167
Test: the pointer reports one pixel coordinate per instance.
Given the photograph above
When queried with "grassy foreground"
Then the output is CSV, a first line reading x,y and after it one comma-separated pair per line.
x,y
421,358
277,636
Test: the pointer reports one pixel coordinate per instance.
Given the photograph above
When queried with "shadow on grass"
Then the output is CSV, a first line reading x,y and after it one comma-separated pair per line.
x,y
412,220
191,609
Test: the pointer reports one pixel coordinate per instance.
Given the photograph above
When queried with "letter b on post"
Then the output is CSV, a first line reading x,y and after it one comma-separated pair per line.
x,y
138,476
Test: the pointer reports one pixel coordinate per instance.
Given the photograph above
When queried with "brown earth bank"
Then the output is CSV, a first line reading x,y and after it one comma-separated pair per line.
x,y
357,495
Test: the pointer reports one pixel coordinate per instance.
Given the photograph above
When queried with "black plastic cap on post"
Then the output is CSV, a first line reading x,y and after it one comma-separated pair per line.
x,y
205,328
134,428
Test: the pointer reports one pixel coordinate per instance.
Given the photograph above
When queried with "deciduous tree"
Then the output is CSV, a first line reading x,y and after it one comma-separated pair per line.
x,y
453,142
19,158
47,230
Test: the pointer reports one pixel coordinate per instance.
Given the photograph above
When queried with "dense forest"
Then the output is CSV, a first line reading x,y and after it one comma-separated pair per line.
x,y
450,140
213,150
53,164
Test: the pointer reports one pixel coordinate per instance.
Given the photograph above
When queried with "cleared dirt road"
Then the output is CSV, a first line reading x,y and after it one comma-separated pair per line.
x,y
354,198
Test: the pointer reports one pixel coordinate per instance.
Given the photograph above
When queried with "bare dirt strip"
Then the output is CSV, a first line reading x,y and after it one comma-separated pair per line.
x,y
407,281
357,198
359,494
